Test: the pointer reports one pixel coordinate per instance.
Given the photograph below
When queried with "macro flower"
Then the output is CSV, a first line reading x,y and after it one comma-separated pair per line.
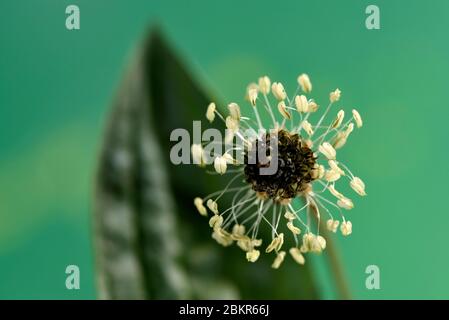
x,y
283,172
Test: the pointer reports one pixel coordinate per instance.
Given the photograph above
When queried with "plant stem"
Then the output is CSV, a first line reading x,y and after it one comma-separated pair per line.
x,y
335,265
334,260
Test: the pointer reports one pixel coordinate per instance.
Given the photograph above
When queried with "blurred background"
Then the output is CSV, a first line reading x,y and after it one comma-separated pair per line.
x,y
56,87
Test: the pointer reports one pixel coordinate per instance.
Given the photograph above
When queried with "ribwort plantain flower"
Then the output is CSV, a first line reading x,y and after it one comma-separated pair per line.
x,y
291,199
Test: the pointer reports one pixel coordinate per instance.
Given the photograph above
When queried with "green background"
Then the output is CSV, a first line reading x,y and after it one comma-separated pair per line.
x,y
56,86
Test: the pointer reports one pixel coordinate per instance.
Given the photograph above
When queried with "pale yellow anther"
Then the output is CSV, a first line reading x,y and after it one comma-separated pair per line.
x,y
297,256
345,203
334,96
289,216
283,110
252,95
308,240
272,245
292,228
334,192
312,106
327,150
332,225
253,255
278,91
342,136
238,231
234,111
220,165
212,205
210,113
321,171
304,82
307,127
216,221
264,85
198,155
278,260
331,175
334,166
321,242
198,202
346,228
340,140
222,237
357,118
302,105
276,243
339,119
244,243
232,124
315,243
256,242
358,186
281,241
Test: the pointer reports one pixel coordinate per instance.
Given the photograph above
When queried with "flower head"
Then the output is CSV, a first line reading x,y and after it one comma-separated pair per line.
x,y
278,164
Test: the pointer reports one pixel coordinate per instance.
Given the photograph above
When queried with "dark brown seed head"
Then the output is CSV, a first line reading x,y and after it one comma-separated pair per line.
x,y
294,172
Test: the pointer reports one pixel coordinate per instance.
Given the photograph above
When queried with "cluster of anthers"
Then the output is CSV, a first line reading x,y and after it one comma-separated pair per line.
x,y
300,180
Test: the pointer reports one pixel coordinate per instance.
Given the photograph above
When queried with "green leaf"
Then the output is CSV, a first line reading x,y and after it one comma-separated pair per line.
x,y
150,241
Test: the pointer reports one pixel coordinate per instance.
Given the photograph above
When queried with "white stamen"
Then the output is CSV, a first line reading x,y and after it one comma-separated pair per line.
x,y
292,228
304,82
278,91
334,166
234,111
200,206
232,124
338,120
253,255
283,110
346,228
334,192
302,105
307,127
278,260
252,94
335,95
210,113
358,186
345,203
264,85
220,165
331,175
357,118
332,225
212,205
328,151
297,256
216,221
198,155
